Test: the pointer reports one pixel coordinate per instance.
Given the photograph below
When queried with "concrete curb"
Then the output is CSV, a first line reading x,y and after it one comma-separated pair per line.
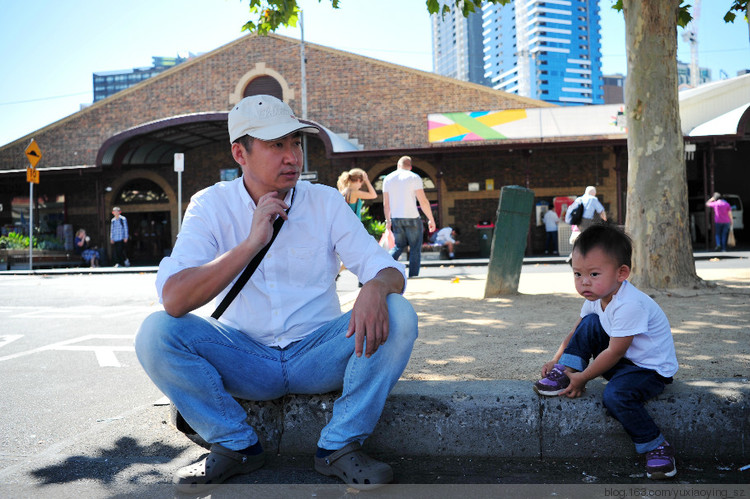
x,y
703,419
458,262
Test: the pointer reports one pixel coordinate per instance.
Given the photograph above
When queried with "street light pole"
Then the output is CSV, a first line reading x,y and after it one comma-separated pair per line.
x,y
303,76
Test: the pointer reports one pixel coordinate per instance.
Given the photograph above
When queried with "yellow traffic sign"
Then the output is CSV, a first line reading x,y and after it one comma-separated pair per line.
x,y
33,153
32,175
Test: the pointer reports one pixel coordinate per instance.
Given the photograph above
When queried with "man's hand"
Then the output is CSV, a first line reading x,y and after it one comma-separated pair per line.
x,y
270,205
369,319
370,312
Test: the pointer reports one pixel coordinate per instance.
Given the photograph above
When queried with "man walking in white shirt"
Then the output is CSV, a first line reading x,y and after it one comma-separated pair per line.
x,y
401,191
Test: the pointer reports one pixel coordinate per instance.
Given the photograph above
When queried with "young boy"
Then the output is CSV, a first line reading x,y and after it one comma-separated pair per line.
x,y
629,338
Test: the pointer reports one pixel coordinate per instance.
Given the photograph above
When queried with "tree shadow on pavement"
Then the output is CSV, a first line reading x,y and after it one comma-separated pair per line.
x,y
463,336
106,465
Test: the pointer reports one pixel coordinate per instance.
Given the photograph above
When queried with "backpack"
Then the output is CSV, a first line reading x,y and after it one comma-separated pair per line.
x,y
576,215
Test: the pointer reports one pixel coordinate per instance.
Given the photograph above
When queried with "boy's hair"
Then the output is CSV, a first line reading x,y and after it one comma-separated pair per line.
x,y
610,238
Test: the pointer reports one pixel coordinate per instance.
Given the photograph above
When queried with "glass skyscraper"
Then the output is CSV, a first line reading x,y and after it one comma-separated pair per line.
x,y
543,49
457,49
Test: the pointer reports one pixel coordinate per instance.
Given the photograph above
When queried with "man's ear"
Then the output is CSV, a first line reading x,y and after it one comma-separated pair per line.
x,y
239,153
623,273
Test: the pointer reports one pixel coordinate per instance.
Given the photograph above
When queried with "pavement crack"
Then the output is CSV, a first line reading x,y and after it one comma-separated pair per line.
x,y
541,427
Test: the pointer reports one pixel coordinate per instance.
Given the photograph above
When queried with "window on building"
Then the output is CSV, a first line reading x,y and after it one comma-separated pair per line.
x,y
49,214
264,85
141,191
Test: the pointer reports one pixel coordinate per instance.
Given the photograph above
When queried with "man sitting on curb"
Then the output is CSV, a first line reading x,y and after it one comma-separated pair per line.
x,y
284,333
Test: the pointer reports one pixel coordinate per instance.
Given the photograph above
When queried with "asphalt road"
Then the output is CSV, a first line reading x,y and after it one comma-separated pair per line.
x,y
80,418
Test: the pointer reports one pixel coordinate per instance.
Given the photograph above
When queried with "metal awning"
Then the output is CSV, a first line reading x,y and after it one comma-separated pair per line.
x,y
735,123
156,142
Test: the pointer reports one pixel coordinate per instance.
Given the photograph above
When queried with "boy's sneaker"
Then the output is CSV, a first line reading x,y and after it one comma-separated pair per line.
x,y
660,462
555,382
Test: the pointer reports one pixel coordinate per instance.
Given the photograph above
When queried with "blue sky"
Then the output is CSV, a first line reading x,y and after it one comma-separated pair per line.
x,y
49,49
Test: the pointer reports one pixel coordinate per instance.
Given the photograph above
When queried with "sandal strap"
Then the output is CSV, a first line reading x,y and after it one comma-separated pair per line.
x,y
228,453
347,449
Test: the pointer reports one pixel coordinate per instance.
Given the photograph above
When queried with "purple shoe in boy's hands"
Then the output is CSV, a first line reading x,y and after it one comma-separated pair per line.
x,y
555,382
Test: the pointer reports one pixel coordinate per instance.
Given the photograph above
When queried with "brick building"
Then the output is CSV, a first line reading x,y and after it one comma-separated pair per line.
x,y
119,151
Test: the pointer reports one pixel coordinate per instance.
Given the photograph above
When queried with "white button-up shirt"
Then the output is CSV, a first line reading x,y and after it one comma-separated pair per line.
x,y
293,290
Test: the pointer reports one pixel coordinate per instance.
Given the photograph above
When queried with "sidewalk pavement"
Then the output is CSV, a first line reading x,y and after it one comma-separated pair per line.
x,y
705,419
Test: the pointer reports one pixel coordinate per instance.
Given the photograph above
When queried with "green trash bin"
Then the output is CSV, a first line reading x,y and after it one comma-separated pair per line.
x,y
486,231
514,215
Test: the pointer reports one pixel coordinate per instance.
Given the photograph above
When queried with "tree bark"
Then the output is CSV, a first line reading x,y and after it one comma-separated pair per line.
x,y
657,201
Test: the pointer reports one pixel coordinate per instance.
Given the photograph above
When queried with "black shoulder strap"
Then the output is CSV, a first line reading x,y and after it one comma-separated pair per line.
x,y
245,276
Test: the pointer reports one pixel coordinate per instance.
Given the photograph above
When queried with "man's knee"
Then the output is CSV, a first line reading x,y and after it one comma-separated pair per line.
x,y
153,334
402,318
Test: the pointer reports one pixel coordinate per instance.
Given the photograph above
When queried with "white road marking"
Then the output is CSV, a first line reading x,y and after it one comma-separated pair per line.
x,y
4,340
75,312
105,355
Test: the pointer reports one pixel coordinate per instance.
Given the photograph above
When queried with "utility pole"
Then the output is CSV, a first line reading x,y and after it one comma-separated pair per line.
x,y
303,75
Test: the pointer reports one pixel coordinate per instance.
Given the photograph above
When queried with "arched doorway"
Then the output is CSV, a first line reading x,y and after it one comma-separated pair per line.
x,y
146,206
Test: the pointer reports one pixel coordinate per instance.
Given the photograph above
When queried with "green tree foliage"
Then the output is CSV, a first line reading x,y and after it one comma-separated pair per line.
x,y
269,15
742,6
685,17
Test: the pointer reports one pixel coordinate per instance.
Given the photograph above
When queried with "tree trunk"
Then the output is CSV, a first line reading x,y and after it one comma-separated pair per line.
x,y
657,201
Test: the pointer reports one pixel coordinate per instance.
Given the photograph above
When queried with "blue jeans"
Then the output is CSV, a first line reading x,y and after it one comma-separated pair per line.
x,y
722,234
628,387
201,365
408,232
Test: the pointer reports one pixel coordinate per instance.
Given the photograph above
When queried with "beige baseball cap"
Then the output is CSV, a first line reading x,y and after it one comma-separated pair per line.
x,y
264,117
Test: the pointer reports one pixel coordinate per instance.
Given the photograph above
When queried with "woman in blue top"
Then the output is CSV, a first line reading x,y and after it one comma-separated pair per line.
x,y
350,186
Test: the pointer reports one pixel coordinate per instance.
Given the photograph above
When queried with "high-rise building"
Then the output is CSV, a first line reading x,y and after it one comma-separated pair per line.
x,y
684,76
544,49
107,83
457,49
614,89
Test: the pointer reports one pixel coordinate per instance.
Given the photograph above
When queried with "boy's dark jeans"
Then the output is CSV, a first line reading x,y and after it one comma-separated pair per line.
x,y
628,387
119,250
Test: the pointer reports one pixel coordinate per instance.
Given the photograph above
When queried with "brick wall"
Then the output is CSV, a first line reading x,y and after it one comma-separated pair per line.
x,y
383,106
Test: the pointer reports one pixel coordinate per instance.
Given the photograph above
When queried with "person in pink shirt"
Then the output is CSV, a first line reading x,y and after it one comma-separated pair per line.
x,y
722,219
